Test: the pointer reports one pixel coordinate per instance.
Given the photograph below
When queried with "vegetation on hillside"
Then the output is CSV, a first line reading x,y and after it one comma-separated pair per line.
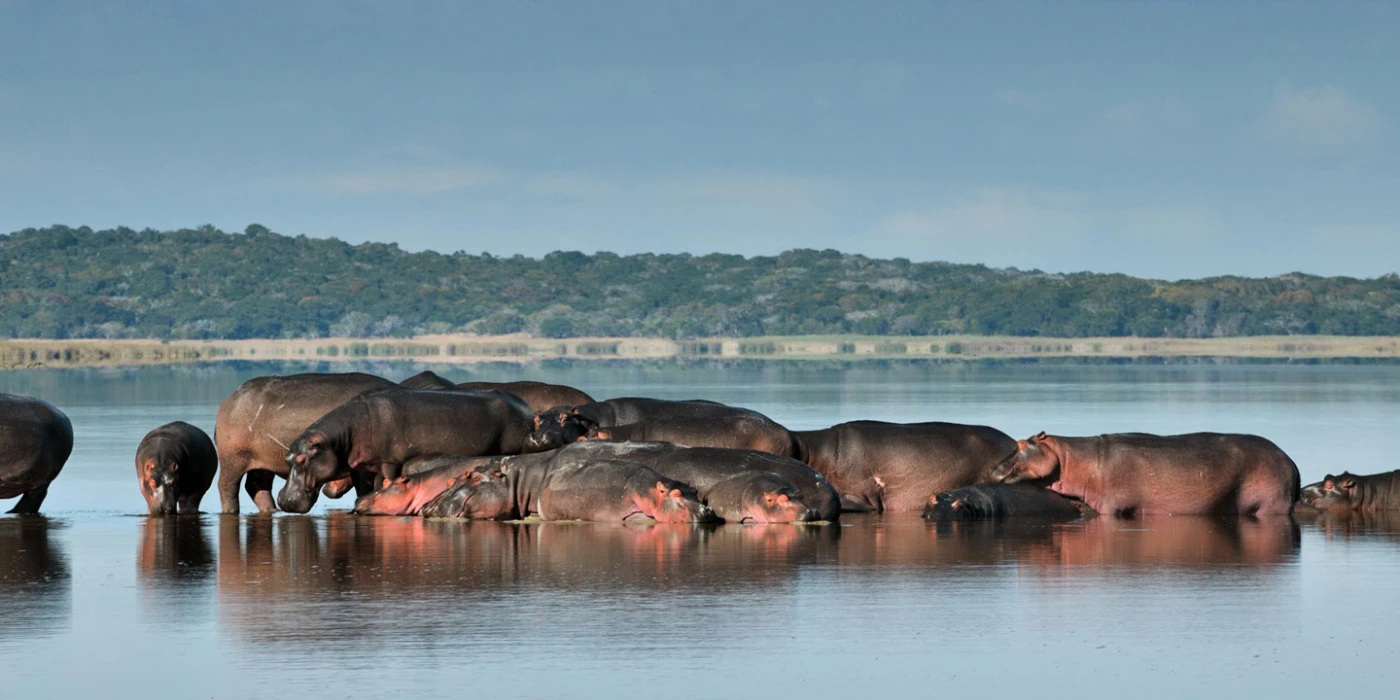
x,y
62,282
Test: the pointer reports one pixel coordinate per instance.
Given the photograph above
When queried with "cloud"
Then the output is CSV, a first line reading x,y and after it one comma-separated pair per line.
x,y
419,180
1005,215
1320,121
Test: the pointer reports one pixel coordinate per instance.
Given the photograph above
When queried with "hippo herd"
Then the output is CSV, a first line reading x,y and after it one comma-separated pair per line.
x,y
507,451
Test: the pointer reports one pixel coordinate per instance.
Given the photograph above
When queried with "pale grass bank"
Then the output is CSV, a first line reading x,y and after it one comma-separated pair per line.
x,y
467,349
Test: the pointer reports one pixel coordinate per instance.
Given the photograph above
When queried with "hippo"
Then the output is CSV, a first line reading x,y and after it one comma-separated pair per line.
x,y
1369,493
627,410
702,467
878,466
427,379
175,465
735,431
1130,474
600,490
35,441
756,497
998,502
376,432
422,480
263,416
539,395
1309,496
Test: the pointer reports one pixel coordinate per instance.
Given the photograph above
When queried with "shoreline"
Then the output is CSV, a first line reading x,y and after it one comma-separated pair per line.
x,y
469,349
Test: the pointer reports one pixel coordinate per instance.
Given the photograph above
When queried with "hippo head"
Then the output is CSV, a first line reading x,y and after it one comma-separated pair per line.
x,y
1339,493
769,499
1035,458
311,463
961,504
1311,495
161,481
393,497
557,427
482,494
676,503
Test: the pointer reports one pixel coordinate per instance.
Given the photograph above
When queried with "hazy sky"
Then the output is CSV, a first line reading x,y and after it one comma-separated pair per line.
x,y
1168,139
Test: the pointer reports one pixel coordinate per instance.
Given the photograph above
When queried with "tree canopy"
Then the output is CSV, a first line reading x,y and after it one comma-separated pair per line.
x,y
62,282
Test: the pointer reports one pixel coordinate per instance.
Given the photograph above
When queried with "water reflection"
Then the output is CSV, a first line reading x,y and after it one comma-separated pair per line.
x,y
1141,547
175,567
1348,525
36,584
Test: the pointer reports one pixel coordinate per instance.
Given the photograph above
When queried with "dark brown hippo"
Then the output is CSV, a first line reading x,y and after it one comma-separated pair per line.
x,y
427,379
632,409
898,466
35,441
999,502
1369,493
735,431
175,465
1310,496
1129,474
601,490
377,432
423,479
539,395
259,421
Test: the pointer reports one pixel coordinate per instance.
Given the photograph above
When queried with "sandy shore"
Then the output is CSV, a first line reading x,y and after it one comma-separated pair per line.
x,y
464,349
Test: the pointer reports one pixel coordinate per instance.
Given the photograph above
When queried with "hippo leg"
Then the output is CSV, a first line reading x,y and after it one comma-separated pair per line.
x,y
850,504
258,484
31,500
365,482
230,474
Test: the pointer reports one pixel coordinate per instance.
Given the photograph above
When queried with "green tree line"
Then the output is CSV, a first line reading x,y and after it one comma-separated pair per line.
x,y
62,282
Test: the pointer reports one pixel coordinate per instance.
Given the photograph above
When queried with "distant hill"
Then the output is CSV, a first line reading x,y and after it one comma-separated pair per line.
x,y
62,282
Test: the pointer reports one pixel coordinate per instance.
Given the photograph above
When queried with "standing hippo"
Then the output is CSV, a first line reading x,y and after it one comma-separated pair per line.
x,y
427,379
263,416
998,502
588,490
175,465
734,431
424,478
375,433
898,466
538,395
35,441
1129,474
1366,493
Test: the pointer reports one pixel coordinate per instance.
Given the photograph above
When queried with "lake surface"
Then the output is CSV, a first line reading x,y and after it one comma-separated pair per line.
x,y
98,600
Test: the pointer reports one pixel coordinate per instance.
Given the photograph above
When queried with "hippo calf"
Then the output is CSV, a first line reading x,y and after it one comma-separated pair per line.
x,y
757,498
1367,493
425,478
998,502
175,466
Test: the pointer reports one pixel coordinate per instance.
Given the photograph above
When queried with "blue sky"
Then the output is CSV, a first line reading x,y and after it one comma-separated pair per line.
x,y
1167,139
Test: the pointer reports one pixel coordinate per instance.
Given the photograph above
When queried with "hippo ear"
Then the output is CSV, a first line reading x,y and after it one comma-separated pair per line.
x,y
477,478
174,466
675,493
1348,483
1328,485
958,503
387,483
1039,436
782,499
402,480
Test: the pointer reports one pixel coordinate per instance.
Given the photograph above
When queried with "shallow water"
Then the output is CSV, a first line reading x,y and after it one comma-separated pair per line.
x,y
97,600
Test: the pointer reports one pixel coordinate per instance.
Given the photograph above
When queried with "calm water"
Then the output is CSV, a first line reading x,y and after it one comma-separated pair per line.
x,y
98,600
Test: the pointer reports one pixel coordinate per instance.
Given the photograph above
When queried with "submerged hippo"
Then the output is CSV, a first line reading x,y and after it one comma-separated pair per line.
x,y
175,465
377,432
263,416
1130,474
999,502
604,490
35,441
539,395
898,466
739,432
1360,492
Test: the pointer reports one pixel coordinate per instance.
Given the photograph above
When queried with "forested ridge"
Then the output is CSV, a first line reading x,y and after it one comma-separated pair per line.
x,y
61,282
